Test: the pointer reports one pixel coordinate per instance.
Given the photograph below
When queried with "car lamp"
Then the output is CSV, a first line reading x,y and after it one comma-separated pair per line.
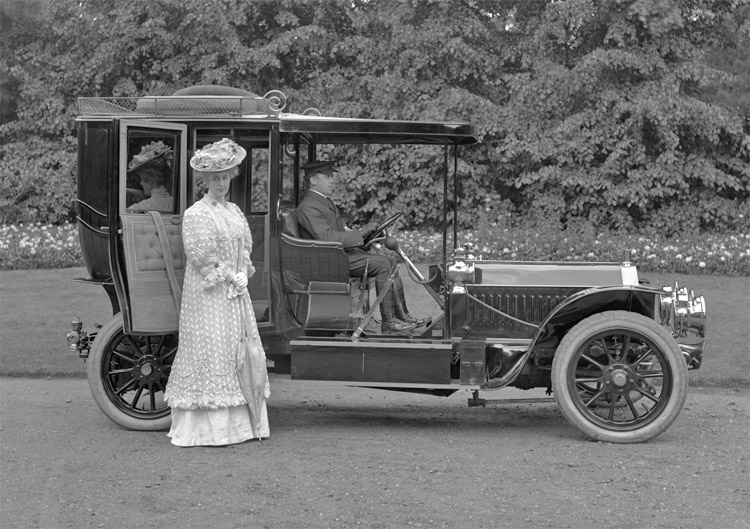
x,y
78,342
683,311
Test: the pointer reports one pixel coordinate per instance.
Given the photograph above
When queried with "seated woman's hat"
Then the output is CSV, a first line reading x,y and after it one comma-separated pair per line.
x,y
218,156
149,153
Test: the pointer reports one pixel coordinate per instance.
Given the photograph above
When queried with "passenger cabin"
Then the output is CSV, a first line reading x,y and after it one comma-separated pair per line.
x,y
301,287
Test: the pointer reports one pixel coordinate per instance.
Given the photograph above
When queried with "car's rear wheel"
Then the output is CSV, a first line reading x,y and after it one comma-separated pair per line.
x,y
128,376
619,377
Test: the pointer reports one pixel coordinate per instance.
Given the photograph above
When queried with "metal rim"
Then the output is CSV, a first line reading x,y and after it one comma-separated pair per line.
x,y
619,379
134,373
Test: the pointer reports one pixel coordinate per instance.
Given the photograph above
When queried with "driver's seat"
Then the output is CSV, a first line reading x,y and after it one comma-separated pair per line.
x,y
314,270
309,259
289,222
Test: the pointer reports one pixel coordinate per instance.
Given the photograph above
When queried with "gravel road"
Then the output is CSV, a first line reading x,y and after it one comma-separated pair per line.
x,y
343,457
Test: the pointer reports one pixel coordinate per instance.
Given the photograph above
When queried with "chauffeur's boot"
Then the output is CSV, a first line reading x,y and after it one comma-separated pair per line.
x,y
391,324
402,313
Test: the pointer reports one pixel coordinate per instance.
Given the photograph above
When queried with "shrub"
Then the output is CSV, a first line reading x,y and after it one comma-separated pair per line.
x,y
38,181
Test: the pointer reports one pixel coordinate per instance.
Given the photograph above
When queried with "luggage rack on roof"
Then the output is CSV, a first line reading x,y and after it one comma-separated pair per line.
x,y
269,105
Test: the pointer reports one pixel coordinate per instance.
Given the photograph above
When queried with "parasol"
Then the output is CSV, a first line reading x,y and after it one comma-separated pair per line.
x,y
251,367
251,358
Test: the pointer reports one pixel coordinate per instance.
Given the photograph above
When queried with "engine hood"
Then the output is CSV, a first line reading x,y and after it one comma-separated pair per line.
x,y
554,274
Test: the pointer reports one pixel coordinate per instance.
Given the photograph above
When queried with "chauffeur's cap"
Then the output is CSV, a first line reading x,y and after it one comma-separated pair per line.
x,y
319,167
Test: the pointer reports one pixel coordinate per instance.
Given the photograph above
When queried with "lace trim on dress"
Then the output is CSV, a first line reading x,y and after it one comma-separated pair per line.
x,y
196,402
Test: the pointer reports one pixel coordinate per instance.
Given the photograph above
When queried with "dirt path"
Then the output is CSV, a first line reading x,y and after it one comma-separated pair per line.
x,y
343,457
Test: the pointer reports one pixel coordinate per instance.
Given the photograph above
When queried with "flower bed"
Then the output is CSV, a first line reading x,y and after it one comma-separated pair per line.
x,y
703,254
29,246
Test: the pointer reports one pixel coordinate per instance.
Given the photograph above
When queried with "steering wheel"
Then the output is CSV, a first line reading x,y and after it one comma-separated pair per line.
x,y
390,221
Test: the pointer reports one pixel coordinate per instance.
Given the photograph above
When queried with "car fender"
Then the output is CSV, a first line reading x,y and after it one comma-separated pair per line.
x,y
573,309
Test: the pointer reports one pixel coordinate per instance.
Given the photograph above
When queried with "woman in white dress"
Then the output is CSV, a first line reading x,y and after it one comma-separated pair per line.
x,y
218,384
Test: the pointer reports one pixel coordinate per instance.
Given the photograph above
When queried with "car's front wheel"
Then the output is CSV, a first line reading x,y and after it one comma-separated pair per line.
x,y
619,377
128,376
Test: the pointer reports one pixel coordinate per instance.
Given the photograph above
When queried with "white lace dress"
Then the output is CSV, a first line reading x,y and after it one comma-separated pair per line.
x,y
204,391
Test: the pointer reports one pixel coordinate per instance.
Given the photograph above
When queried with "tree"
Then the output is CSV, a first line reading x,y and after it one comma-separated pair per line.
x,y
425,60
620,113
610,126
132,48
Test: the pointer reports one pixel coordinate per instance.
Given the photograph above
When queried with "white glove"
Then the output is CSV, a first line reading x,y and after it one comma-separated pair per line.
x,y
240,281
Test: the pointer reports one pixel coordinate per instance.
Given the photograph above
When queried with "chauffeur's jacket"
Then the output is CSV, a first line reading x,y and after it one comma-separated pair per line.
x,y
319,219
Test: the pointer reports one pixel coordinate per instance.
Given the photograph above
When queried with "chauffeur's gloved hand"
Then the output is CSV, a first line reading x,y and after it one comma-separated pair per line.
x,y
369,228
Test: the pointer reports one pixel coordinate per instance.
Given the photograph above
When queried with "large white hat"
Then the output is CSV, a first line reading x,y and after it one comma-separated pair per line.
x,y
218,156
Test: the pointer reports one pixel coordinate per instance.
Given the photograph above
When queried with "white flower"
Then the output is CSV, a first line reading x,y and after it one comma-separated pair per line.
x,y
678,256
688,258
702,264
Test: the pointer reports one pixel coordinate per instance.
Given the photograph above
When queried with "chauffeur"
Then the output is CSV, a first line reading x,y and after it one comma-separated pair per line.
x,y
319,219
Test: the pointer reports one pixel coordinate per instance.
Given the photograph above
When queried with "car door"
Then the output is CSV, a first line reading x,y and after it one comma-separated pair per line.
x,y
148,253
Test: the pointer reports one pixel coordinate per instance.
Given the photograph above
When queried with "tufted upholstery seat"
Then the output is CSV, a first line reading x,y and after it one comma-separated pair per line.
x,y
150,295
148,251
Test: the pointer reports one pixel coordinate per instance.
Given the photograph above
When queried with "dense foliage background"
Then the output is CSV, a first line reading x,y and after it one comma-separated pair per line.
x,y
628,115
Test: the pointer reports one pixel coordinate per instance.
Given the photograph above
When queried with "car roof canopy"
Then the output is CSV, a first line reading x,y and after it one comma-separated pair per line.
x,y
255,108
348,130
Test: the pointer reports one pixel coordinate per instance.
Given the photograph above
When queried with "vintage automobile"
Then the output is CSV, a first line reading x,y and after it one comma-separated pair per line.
x,y
612,350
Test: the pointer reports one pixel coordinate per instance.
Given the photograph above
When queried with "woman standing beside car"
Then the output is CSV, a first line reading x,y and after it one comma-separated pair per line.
x,y
218,384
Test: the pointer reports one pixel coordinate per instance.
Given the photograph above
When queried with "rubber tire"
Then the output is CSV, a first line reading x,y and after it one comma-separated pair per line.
x,y
674,362
94,369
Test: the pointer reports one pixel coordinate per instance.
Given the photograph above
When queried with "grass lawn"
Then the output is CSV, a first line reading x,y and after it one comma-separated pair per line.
x,y
36,307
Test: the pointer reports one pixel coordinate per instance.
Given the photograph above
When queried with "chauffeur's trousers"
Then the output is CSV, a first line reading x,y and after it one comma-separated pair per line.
x,y
379,268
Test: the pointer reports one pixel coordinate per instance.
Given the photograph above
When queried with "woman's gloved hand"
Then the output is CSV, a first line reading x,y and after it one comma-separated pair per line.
x,y
240,281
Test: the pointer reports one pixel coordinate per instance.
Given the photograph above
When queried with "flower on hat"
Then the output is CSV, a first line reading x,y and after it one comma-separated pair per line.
x,y
218,156
149,153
